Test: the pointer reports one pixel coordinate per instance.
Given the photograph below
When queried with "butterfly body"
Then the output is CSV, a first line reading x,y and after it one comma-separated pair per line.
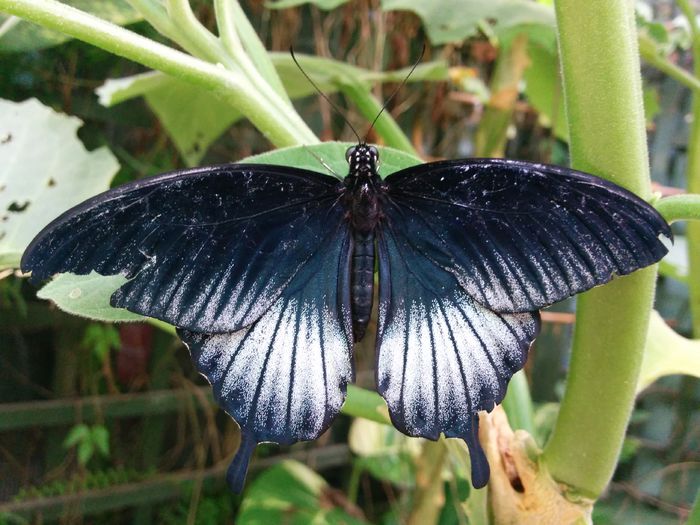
x,y
363,189
268,273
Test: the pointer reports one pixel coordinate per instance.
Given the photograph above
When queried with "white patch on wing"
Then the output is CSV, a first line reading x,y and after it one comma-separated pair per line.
x,y
452,347
283,376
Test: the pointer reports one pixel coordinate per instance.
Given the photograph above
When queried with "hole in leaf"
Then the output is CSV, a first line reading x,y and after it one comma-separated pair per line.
x,y
18,206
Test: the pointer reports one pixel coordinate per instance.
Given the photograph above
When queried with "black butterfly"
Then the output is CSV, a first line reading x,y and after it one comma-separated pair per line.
x,y
268,273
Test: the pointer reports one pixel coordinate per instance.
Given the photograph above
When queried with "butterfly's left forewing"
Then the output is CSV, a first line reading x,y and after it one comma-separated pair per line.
x,y
284,377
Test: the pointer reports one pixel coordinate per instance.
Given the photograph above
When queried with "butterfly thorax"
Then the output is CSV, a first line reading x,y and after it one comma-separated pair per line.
x,y
363,186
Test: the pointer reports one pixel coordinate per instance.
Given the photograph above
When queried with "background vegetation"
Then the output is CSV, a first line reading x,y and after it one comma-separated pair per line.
x,y
104,422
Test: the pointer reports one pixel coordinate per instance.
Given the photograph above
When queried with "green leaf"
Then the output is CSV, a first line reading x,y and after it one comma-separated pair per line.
x,y
44,170
17,35
326,5
448,21
191,116
100,438
667,353
77,434
86,449
194,119
333,154
292,493
101,338
87,296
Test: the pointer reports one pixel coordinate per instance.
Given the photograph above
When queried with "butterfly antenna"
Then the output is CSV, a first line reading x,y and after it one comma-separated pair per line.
x,y
403,83
336,108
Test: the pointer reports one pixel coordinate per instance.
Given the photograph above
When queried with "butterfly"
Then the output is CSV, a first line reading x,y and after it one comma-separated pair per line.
x,y
268,274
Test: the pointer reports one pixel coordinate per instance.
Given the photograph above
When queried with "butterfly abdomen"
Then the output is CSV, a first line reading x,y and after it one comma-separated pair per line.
x,y
362,281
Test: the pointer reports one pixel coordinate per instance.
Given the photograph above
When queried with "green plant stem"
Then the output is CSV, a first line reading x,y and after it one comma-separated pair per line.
x,y
283,127
370,107
650,54
603,94
156,15
693,177
239,36
492,134
679,208
189,28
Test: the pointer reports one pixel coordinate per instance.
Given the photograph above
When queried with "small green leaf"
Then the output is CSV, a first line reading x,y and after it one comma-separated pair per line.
x,y
292,493
77,434
100,438
101,338
44,170
87,296
667,353
86,449
22,36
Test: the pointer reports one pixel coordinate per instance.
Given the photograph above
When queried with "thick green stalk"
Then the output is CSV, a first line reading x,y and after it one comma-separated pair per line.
x,y
693,177
603,94
282,126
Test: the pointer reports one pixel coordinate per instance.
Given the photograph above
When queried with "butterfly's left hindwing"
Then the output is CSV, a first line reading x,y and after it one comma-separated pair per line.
x,y
284,377
441,356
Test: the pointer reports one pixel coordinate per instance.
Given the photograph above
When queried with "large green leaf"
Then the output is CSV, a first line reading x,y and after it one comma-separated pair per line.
x,y
194,118
44,170
17,35
448,21
292,493
88,295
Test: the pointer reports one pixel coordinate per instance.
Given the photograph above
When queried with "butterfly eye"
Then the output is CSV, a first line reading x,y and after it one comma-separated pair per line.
x,y
374,152
349,153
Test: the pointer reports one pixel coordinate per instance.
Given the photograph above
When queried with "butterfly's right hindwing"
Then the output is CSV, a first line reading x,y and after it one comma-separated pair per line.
x,y
207,249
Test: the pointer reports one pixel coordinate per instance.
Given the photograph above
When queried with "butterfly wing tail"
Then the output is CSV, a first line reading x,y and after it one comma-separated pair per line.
x,y
238,469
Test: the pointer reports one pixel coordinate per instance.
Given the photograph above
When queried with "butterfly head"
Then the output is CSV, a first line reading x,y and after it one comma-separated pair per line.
x,y
363,160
